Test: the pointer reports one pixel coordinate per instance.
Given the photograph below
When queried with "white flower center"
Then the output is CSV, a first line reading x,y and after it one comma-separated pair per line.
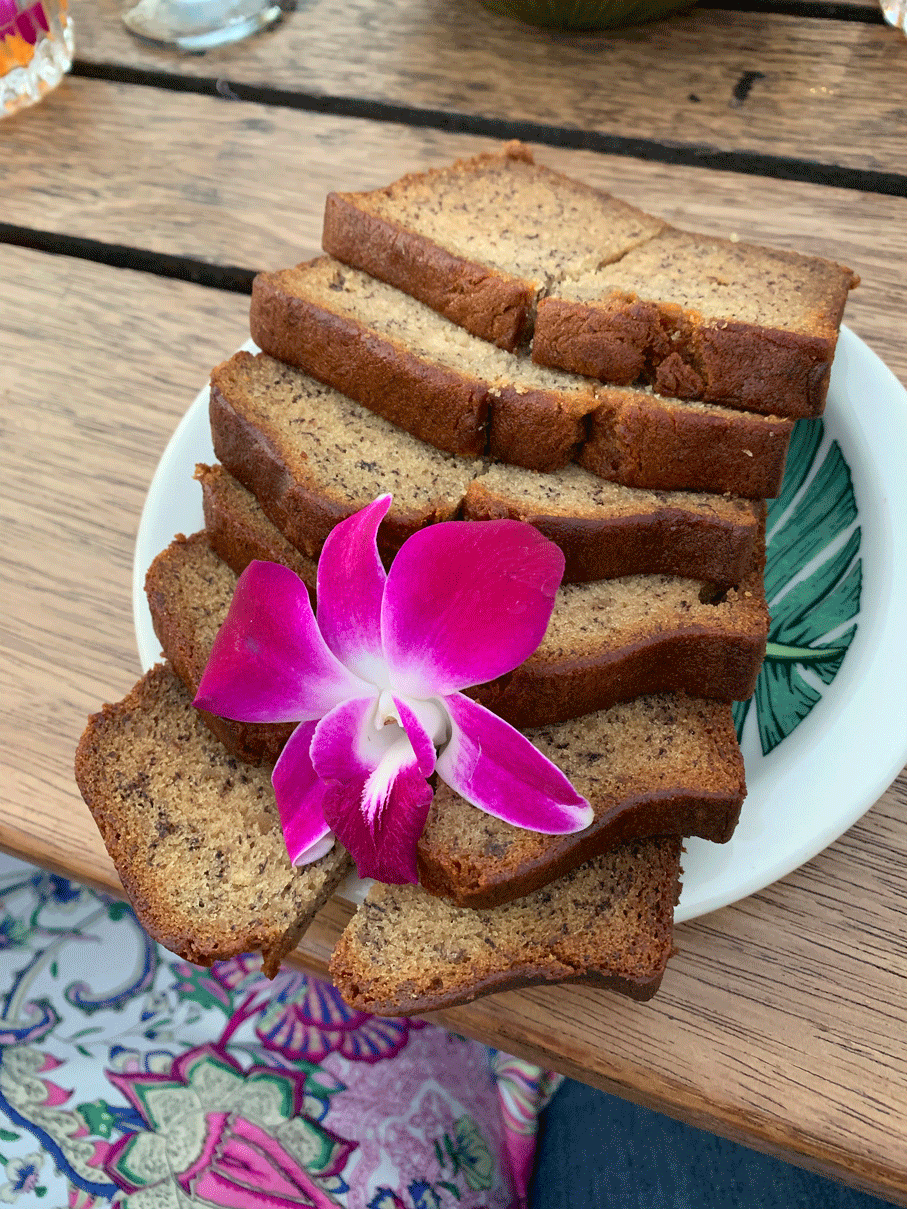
x,y
429,711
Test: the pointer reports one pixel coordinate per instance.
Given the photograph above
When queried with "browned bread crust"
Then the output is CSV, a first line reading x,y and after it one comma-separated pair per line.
x,y
609,923
427,376
638,438
195,835
662,765
698,317
607,642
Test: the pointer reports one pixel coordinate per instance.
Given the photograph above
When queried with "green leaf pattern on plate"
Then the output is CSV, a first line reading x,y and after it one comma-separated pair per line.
x,y
813,578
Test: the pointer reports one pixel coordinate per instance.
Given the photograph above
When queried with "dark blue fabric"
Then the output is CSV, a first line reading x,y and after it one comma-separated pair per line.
x,y
598,1151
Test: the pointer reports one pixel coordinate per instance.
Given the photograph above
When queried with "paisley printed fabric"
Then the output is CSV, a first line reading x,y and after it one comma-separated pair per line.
x,y
132,1079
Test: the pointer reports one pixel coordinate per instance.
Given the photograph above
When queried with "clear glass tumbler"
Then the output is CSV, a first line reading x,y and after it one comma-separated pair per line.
x,y
895,12
196,25
36,49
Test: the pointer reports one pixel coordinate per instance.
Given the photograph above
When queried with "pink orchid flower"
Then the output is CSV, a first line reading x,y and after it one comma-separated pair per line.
x,y
375,685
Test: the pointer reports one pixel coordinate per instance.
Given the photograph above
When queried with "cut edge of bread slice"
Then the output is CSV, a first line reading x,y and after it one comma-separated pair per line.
x,y
608,922
195,834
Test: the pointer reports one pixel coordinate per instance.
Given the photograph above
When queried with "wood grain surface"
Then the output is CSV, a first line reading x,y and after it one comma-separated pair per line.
x,y
781,1020
245,185
822,90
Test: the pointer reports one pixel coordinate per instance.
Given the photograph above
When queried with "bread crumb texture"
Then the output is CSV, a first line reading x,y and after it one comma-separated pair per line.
x,y
666,748
194,834
609,920
509,212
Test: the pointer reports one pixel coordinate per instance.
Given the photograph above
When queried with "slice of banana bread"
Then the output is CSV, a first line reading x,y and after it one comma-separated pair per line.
x,y
189,590
604,530
313,457
640,439
478,241
703,318
194,835
431,378
617,639
622,295
609,923
658,765
405,362
238,530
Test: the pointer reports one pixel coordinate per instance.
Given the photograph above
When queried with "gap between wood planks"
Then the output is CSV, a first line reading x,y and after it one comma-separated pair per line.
x,y
828,10
230,278
747,163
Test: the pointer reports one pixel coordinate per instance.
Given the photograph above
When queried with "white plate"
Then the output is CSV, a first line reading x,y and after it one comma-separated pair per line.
x,y
824,774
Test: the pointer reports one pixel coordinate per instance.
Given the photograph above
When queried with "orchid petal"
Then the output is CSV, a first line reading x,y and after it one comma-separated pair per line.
x,y
377,799
497,769
347,745
379,820
420,720
317,850
351,582
465,603
269,662
299,793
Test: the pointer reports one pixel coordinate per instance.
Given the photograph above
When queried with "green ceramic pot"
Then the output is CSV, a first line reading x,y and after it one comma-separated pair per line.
x,y
586,14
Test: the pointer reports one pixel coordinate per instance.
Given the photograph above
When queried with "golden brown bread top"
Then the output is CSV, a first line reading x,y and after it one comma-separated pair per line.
x,y
608,922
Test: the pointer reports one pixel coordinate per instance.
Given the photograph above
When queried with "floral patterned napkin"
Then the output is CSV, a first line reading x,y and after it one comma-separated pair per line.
x,y
130,1078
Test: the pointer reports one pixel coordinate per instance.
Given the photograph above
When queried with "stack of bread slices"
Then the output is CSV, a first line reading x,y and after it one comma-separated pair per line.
x,y
487,340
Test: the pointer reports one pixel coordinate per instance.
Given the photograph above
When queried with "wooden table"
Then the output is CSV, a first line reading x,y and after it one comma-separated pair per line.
x,y
138,200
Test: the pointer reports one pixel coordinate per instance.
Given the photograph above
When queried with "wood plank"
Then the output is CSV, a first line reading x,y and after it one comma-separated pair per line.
x,y
199,177
781,1021
829,91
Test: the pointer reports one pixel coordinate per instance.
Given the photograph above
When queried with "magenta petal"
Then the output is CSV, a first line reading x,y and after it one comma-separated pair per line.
x,y
497,769
269,662
346,745
379,820
465,602
350,588
352,740
421,740
300,794
376,801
